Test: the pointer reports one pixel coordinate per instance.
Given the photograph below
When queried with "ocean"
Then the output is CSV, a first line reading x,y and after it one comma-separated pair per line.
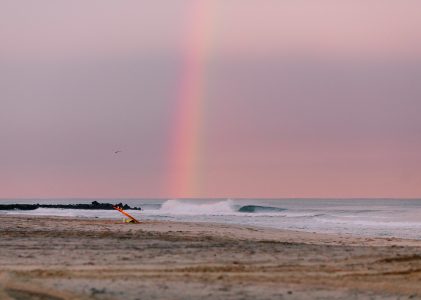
x,y
359,217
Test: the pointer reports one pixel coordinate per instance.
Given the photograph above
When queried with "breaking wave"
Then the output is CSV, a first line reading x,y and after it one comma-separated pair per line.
x,y
188,207
260,209
227,207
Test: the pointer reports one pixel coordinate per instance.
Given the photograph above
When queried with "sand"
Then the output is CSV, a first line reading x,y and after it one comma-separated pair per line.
x,y
74,258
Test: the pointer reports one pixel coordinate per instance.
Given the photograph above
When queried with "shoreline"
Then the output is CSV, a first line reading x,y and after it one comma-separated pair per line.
x,y
272,233
85,258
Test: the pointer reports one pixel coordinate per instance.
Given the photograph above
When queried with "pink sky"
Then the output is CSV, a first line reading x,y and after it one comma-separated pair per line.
x,y
301,98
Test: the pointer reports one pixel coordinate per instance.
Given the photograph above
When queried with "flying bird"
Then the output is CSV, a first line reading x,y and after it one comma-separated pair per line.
x,y
118,151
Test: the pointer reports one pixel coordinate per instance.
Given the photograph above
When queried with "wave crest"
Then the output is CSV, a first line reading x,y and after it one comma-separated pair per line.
x,y
226,207
260,209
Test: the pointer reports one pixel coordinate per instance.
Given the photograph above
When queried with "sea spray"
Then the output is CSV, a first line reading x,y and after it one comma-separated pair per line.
x,y
197,207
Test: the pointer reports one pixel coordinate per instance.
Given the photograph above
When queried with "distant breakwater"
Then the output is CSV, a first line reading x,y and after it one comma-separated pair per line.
x,y
93,205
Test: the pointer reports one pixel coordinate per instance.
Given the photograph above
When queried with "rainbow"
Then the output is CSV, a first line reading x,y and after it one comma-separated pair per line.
x,y
188,126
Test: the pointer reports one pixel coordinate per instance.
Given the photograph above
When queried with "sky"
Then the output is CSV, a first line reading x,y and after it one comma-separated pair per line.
x,y
210,98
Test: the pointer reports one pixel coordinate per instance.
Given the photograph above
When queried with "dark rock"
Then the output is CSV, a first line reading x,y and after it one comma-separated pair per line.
x,y
93,205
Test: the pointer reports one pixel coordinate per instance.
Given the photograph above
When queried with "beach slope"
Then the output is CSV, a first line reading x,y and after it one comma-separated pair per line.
x,y
52,258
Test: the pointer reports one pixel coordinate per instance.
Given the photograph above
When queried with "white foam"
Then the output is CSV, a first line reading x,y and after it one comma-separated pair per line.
x,y
88,213
186,207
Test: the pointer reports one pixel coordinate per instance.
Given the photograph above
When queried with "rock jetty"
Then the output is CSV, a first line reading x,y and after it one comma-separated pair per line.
x,y
93,205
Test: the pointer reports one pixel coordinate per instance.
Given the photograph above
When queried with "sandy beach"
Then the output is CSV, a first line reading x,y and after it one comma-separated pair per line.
x,y
74,258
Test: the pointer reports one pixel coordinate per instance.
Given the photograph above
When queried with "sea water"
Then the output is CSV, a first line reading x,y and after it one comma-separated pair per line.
x,y
361,217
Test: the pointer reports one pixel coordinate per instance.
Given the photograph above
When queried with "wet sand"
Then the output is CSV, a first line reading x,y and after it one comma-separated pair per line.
x,y
69,258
